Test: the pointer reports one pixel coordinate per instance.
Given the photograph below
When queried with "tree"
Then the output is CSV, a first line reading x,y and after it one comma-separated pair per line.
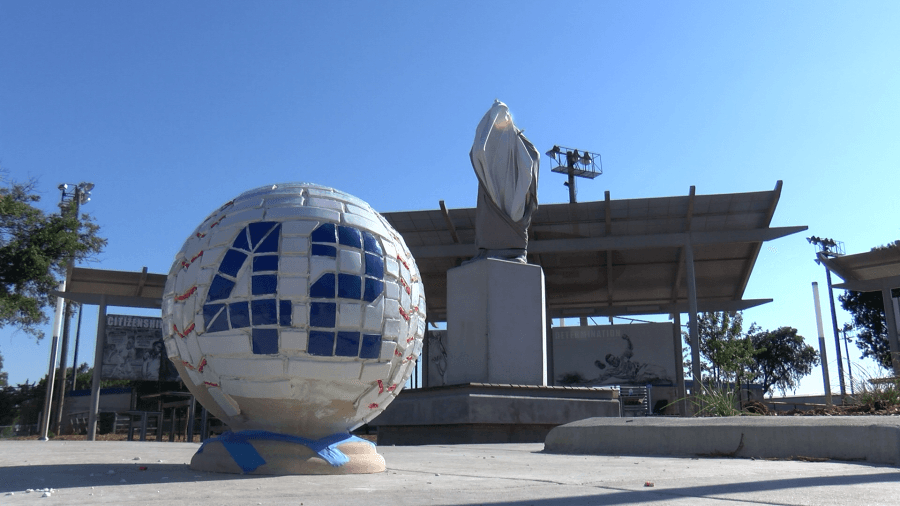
x,y
4,376
782,358
35,249
725,352
867,309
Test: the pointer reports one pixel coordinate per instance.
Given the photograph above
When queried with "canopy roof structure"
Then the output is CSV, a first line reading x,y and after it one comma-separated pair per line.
x,y
615,257
877,270
115,288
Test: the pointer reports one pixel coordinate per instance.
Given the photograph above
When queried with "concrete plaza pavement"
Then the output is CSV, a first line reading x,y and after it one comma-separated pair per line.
x,y
497,474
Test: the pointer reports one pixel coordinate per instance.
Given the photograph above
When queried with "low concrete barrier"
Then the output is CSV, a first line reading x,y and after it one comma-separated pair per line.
x,y
873,439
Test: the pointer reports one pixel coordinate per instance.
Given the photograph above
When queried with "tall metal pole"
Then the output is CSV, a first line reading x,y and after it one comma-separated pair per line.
x,y
824,356
98,370
48,393
77,341
837,339
847,352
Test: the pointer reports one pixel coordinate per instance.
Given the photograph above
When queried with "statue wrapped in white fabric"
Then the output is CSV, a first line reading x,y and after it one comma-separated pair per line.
x,y
506,164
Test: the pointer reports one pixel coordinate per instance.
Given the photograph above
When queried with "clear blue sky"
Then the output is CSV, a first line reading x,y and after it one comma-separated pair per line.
x,y
172,108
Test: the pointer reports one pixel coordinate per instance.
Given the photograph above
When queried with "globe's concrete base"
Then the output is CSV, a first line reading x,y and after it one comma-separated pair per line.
x,y
285,458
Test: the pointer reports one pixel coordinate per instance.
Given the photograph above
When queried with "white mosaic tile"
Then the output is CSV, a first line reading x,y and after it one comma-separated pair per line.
x,y
404,300
220,236
391,290
293,287
244,204
387,350
300,316
196,377
392,267
171,348
374,371
365,224
310,212
294,340
224,343
302,228
284,201
391,308
228,405
389,250
351,261
247,367
293,265
349,315
324,370
212,257
291,245
241,218
320,265
374,315
194,348
326,203
242,284
258,389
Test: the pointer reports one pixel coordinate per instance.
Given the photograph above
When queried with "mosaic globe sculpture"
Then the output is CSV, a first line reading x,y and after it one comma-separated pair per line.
x,y
294,313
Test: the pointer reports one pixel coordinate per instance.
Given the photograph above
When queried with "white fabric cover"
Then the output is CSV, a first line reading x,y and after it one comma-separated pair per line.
x,y
505,162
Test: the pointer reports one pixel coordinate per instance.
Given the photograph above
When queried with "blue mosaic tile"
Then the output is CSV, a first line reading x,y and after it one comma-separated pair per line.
x,y
371,346
349,287
349,236
374,288
258,231
263,284
240,314
209,312
232,262
219,324
370,242
320,343
265,263
263,312
284,313
219,289
323,288
347,344
323,251
323,233
240,241
265,341
270,243
374,266
322,314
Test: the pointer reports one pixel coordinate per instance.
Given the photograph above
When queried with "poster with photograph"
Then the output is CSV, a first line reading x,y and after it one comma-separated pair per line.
x,y
635,354
134,350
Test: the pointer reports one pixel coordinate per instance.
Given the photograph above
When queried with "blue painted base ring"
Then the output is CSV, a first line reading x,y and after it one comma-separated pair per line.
x,y
248,459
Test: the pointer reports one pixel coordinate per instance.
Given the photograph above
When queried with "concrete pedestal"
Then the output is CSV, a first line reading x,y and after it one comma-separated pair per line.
x,y
481,413
496,324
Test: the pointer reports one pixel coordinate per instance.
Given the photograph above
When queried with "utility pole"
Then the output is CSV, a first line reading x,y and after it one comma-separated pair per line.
x,y
832,248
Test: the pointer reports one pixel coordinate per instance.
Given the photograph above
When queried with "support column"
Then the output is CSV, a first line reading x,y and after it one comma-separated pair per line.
x,y
692,315
98,371
679,365
893,339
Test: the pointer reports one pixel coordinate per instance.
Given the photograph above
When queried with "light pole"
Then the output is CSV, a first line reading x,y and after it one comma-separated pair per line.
x,y
73,196
832,248
570,162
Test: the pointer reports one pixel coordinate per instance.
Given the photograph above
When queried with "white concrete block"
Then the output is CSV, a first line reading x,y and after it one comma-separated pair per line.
x,y
496,324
